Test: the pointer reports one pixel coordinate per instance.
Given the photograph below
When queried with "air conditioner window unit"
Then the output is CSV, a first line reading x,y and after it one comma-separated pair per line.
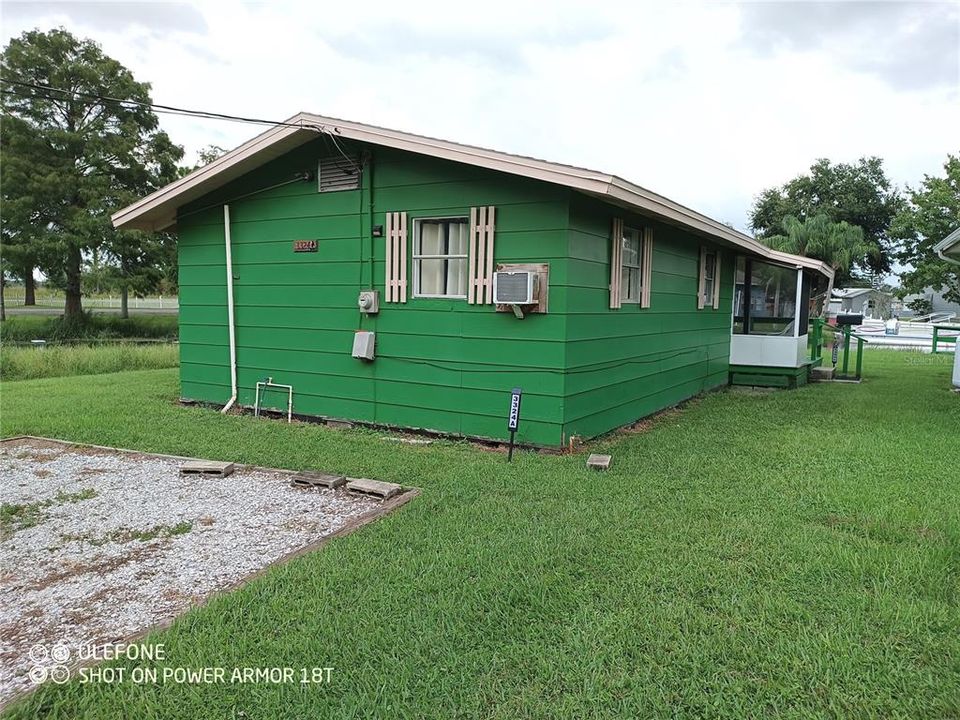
x,y
513,287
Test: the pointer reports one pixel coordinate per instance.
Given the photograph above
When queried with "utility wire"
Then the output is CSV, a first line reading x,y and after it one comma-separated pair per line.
x,y
157,106
331,133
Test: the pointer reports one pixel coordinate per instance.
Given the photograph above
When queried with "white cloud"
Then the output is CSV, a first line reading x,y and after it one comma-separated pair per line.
x,y
705,103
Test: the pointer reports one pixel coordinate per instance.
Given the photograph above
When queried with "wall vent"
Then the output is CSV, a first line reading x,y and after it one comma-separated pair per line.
x,y
338,173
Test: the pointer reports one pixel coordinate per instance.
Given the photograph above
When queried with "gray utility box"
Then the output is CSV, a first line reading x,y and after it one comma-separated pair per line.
x,y
363,341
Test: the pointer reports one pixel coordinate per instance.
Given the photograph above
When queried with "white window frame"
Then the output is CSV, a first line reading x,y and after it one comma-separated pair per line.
x,y
709,298
624,265
417,257
708,292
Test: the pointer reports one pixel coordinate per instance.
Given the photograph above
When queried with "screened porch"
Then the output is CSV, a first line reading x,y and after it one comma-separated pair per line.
x,y
772,306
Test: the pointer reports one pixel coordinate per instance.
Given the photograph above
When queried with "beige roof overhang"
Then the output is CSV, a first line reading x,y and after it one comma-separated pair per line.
x,y
949,247
158,211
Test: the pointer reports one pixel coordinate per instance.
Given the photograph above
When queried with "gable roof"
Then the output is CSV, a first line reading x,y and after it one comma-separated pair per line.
x,y
158,210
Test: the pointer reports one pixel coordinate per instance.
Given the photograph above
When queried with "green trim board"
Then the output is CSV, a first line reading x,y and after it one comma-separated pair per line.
x,y
441,364
762,376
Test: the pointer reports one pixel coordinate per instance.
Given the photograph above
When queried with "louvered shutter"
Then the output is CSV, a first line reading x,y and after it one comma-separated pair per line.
x,y
647,267
716,282
701,285
395,284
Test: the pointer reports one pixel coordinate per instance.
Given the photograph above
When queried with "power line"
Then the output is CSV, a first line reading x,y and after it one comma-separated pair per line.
x,y
157,107
174,110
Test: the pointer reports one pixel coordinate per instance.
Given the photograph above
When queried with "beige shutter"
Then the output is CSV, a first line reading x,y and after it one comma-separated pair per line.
x,y
395,285
480,253
701,285
616,261
716,282
647,267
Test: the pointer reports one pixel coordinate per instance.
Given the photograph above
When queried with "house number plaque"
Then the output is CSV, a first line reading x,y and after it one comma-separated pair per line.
x,y
304,245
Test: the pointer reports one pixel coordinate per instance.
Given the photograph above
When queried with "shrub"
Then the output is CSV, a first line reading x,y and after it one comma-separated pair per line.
x,y
89,326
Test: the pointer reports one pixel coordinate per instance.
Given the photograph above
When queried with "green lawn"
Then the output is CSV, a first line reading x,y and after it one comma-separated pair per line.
x,y
789,554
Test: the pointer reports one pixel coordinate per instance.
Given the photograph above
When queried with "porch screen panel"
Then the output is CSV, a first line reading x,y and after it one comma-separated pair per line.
x,y
765,298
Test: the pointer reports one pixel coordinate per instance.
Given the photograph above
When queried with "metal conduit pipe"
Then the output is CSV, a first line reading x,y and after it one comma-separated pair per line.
x,y
269,383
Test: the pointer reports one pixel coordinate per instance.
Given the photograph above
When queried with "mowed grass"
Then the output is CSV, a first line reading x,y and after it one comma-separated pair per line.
x,y
755,555
28,363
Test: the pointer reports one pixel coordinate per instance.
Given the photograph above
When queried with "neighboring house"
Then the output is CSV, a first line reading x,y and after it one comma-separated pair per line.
x,y
631,306
948,249
938,303
868,302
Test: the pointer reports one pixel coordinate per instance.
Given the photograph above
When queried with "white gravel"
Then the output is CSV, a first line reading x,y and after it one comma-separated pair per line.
x,y
81,575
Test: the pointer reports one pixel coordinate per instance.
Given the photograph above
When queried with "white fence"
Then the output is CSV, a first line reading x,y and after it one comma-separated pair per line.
x,y
14,297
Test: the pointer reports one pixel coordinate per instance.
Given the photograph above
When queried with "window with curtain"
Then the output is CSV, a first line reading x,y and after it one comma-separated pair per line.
x,y
631,266
440,257
709,277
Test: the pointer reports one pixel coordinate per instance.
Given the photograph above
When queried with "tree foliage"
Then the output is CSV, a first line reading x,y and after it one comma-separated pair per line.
x,y
71,158
858,194
931,212
838,244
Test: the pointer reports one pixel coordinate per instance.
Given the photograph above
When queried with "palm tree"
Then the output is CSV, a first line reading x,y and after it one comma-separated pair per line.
x,y
839,244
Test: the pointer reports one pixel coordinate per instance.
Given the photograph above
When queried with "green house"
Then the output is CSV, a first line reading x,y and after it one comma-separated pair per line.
x,y
399,280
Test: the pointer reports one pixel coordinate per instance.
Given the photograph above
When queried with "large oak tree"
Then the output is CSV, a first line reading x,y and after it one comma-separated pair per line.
x,y
932,212
858,194
74,154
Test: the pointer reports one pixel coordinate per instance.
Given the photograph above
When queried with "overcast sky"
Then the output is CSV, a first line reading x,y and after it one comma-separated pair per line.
x,y
707,103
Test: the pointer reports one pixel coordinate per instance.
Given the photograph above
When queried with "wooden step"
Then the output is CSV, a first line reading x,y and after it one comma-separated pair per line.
x,y
822,374
598,462
207,467
308,479
373,488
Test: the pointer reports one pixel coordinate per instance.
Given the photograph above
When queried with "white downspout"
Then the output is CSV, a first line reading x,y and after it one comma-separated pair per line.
x,y
230,323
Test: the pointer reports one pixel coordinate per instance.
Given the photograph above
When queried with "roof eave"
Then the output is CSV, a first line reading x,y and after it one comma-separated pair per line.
x,y
158,210
949,248
671,211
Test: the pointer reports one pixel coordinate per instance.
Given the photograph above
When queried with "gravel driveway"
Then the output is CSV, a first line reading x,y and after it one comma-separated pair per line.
x,y
98,545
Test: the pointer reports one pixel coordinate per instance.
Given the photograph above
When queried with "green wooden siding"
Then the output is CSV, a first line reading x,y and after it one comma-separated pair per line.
x,y
441,365
627,363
